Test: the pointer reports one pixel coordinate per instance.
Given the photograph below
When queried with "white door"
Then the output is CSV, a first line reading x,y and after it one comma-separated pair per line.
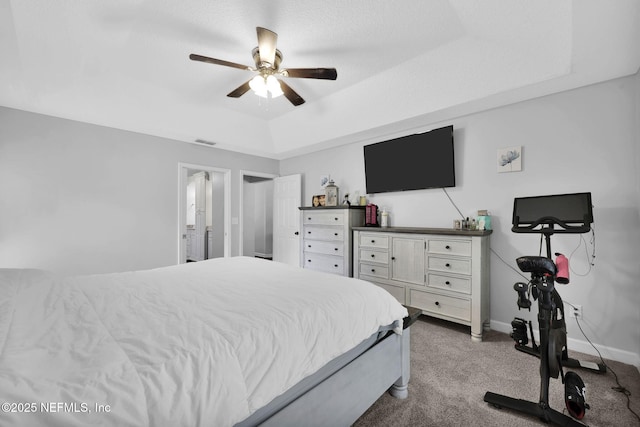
x,y
287,198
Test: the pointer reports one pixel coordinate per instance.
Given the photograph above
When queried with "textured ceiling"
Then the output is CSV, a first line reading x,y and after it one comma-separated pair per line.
x,y
124,63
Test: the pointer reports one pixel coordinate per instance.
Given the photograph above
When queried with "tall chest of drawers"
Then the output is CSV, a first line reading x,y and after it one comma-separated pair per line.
x,y
327,238
444,272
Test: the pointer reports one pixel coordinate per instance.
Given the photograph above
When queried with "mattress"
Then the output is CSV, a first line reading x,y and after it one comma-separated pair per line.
x,y
200,343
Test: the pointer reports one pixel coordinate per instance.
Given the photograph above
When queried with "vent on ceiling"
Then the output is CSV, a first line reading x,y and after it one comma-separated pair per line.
x,y
205,142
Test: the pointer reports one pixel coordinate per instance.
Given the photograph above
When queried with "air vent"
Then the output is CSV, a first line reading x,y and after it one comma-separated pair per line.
x,y
205,142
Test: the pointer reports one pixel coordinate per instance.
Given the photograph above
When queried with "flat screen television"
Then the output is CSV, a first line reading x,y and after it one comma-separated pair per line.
x,y
413,162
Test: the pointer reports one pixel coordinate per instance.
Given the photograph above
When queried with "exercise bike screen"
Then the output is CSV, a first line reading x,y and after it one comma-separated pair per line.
x,y
568,208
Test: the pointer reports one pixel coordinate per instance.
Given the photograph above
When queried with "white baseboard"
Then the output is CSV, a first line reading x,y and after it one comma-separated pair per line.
x,y
580,346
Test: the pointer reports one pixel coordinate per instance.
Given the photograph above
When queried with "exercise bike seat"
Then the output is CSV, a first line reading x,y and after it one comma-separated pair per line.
x,y
538,265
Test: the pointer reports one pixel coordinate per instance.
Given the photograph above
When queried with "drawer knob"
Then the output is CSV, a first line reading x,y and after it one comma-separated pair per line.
x,y
447,247
335,265
309,218
373,255
335,218
308,246
447,265
393,258
308,260
373,241
335,249
447,282
308,232
373,270
335,234
437,303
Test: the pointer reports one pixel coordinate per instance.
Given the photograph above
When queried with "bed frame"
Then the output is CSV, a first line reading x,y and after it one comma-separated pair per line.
x,y
340,392
336,395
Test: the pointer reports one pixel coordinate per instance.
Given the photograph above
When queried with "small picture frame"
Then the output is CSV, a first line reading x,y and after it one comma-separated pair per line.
x,y
318,200
510,159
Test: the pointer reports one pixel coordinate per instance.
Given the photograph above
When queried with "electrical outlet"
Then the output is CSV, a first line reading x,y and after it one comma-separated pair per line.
x,y
577,311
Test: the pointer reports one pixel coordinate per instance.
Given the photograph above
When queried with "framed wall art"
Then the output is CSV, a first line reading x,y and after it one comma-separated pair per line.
x,y
510,159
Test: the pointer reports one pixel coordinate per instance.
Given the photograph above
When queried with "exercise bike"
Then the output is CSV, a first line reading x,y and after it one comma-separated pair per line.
x,y
548,215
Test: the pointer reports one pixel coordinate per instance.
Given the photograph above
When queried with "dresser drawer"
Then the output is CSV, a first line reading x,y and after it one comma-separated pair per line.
x,y
325,263
458,284
373,241
380,271
372,256
441,305
449,265
323,218
321,233
320,247
449,247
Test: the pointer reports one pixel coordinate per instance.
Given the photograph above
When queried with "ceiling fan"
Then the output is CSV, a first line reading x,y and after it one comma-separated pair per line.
x,y
267,59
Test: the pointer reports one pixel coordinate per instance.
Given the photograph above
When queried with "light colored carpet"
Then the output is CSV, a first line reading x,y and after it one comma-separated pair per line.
x,y
450,375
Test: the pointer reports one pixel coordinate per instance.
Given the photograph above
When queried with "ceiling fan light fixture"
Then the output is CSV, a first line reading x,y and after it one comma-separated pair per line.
x,y
258,85
274,86
267,59
263,86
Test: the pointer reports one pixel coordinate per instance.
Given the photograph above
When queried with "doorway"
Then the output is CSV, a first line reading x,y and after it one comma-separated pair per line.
x,y
203,212
256,214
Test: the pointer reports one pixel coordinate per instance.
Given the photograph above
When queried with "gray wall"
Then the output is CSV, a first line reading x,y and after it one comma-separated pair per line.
x,y
217,214
80,198
581,140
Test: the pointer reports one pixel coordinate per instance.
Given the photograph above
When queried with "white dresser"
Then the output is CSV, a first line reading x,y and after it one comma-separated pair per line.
x,y
444,272
327,238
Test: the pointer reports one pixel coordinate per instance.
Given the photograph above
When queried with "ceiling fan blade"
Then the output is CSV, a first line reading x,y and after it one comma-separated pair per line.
x,y
291,94
240,90
201,58
267,40
311,73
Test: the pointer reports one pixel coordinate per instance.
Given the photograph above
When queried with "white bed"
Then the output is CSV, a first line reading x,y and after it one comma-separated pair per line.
x,y
221,342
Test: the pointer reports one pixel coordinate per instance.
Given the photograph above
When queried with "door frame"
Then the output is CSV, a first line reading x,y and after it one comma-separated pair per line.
x,y
244,173
183,181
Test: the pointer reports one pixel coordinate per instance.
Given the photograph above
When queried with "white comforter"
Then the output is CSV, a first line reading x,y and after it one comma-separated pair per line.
x,y
203,343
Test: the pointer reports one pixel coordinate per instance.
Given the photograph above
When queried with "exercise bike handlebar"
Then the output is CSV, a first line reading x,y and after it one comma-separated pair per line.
x,y
547,226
